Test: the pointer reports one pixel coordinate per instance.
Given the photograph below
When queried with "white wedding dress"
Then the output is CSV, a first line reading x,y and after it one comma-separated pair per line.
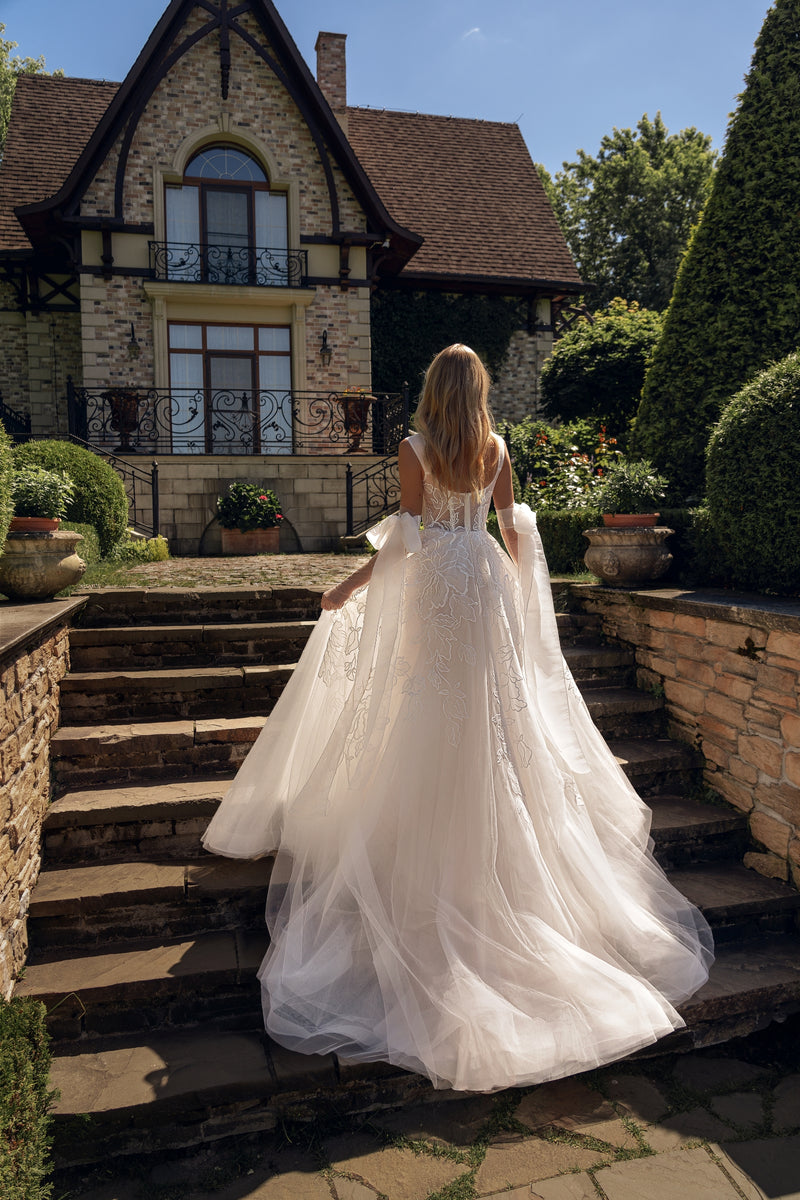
x,y
463,883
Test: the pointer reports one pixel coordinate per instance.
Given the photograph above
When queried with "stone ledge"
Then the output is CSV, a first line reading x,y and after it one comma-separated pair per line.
x,y
740,608
21,623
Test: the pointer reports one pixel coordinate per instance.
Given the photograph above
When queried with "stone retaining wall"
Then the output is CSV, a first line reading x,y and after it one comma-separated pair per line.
x,y
729,667
33,660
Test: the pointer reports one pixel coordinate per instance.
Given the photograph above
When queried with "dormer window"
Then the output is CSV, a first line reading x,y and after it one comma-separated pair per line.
x,y
224,224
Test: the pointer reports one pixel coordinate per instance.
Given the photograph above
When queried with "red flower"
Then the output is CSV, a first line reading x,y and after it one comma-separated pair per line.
x,y
262,497
278,516
599,470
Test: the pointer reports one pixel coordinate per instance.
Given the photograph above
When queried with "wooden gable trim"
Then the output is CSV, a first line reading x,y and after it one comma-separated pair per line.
x,y
152,65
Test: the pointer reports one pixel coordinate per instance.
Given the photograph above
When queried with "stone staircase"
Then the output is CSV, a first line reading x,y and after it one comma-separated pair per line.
x,y
144,949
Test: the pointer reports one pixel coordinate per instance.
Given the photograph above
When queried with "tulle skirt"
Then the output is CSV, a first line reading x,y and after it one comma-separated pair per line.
x,y
463,882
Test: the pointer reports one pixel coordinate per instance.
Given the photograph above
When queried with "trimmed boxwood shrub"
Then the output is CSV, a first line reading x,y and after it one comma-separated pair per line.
x,y
753,480
6,471
736,304
25,1101
697,558
100,498
89,548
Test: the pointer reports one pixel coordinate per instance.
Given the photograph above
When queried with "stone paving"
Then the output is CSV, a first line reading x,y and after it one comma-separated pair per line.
x,y
260,570
709,1125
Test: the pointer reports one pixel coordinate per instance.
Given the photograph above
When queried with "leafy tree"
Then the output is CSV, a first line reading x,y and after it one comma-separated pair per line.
x,y
10,68
597,369
736,306
627,211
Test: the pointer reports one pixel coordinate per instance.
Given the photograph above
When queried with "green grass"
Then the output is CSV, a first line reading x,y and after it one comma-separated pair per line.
x,y
25,1102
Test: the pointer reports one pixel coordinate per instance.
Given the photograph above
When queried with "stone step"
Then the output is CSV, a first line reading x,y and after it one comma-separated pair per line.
x,y
141,982
182,606
165,821
150,984
688,831
182,1088
624,712
162,820
106,696
103,903
739,903
141,647
136,752
656,765
98,755
593,662
193,606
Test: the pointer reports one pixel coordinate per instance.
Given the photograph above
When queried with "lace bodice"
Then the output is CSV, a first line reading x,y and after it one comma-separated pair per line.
x,y
443,509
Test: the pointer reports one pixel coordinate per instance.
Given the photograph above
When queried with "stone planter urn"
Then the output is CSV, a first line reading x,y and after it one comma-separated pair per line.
x,y
628,557
34,566
251,541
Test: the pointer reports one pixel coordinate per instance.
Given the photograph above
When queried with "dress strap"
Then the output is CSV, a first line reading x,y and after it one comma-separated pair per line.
x,y
417,443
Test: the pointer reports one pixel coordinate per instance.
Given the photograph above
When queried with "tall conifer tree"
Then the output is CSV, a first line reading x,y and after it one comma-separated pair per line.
x,y
736,304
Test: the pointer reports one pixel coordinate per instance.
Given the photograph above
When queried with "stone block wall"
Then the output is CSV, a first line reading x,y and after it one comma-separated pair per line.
x,y
311,489
30,673
730,673
516,394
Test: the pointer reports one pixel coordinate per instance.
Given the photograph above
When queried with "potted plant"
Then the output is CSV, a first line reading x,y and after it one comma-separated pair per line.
x,y
355,402
38,560
628,550
40,499
630,494
250,517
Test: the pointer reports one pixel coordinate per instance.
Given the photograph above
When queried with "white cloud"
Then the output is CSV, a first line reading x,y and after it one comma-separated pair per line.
x,y
471,33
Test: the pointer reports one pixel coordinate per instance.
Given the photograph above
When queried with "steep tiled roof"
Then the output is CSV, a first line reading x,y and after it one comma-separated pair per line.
x,y
470,188
52,119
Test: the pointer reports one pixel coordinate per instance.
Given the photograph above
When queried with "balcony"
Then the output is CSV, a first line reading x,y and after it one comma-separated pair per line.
x,y
243,266
197,421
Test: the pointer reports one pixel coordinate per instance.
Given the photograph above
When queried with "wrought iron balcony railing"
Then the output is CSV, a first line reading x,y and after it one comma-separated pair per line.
x,y
253,266
129,420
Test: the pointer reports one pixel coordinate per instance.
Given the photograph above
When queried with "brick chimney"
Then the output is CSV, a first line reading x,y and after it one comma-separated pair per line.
x,y
332,73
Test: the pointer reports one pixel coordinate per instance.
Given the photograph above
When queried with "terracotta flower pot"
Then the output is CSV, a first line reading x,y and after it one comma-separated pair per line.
x,y
252,541
34,524
629,520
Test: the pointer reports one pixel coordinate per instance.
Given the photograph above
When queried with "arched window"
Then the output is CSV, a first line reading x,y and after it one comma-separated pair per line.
x,y
224,225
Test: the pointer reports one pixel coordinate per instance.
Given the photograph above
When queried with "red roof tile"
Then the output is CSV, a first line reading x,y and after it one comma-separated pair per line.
x,y
469,187
52,119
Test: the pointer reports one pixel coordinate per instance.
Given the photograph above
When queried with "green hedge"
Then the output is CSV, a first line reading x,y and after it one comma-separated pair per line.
x,y
753,481
25,1101
89,548
736,304
6,471
100,498
698,560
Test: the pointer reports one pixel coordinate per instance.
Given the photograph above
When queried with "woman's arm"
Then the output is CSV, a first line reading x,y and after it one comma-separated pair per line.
x,y
503,497
410,472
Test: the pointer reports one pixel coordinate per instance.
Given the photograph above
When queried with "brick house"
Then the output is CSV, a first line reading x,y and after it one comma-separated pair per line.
x,y
187,262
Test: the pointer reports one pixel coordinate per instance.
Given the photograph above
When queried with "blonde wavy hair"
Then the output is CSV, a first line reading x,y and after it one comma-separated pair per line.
x,y
454,419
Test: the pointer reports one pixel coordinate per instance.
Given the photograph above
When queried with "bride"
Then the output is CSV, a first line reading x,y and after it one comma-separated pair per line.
x,y
463,883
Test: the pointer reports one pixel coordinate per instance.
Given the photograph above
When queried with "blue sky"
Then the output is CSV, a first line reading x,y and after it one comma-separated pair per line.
x,y
566,71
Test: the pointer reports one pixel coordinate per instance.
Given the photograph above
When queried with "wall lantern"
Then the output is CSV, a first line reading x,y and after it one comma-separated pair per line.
x,y
134,349
325,351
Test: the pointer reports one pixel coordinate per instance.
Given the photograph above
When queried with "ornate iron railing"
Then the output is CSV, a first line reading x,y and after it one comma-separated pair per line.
x,y
129,420
372,494
254,266
17,425
141,483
